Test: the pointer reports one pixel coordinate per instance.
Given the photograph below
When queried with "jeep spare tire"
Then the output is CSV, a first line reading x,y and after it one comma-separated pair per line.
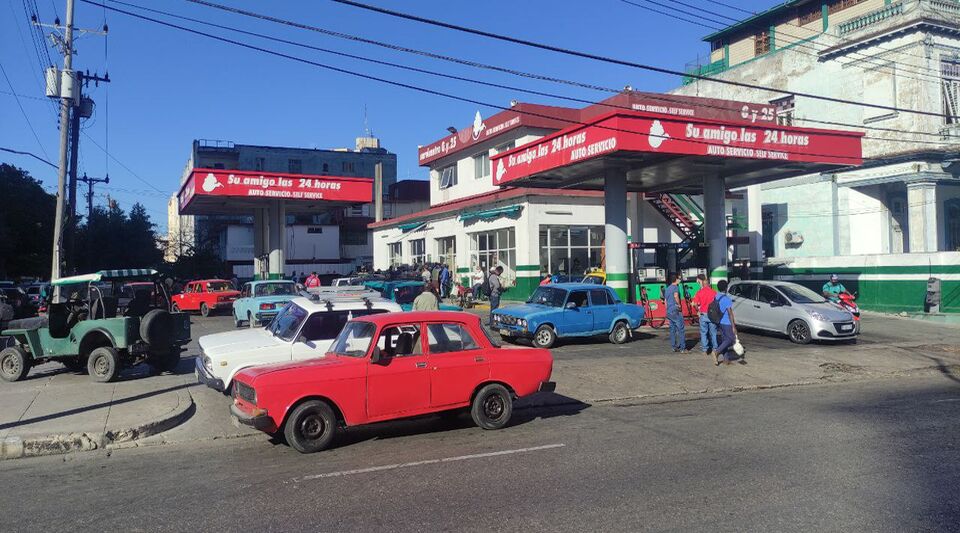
x,y
156,328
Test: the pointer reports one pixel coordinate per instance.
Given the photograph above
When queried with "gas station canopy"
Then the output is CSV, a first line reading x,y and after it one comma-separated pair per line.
x,y
662,152
216,191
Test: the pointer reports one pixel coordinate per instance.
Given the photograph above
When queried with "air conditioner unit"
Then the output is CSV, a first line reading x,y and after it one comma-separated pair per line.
x,y
793,237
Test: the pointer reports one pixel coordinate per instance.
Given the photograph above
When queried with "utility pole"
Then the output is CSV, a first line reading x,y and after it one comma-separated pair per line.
x,y
90,183
66,101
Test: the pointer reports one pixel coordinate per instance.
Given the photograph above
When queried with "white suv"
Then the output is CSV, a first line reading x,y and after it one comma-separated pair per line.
x,y
304,329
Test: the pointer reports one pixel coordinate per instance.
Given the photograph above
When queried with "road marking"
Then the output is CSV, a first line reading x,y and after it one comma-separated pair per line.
x,y
428,462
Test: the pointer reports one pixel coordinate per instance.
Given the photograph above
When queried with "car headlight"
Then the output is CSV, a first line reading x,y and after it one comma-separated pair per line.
x,y
207,363
522,323
817,316
496,318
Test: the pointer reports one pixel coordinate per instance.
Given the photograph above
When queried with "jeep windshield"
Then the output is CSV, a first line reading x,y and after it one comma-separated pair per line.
x,y
275,289
550,296
354,340
287,323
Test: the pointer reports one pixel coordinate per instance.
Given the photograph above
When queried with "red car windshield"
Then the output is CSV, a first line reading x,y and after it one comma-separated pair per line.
x,y
219,286
354,340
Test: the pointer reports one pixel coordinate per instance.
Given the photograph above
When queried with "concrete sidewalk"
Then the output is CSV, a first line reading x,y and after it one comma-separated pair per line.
x,y
57,411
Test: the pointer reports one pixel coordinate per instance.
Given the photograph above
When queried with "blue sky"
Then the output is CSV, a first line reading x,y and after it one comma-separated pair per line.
x,y
170,87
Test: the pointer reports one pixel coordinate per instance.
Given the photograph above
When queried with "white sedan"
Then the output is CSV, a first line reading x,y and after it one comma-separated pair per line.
x,y
304,329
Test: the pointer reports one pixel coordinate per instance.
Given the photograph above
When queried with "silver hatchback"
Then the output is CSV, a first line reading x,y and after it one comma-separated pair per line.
x,y
791,309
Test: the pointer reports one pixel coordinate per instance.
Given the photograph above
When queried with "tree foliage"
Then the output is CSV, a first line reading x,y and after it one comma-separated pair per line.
x,y
114,239
26,225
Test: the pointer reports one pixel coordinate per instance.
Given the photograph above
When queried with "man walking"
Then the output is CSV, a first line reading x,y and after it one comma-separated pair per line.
x,y
678,340
496,287
708,330
427,300
728,326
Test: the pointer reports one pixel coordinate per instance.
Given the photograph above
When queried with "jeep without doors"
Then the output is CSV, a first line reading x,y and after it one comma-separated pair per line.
x,y
87,330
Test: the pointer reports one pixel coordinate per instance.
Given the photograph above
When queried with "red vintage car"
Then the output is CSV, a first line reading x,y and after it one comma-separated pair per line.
x,y
206,296
390,366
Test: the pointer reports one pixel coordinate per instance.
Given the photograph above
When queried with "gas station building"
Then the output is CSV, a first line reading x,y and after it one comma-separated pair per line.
x,y
540,189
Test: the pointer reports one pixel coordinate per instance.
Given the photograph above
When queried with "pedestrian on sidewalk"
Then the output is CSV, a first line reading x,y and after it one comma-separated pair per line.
x,y
496,287
728,326
427,300
678,340
708,330
425,274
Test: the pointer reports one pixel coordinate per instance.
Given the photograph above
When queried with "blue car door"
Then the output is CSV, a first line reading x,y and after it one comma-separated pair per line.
x,y
577,314
604,309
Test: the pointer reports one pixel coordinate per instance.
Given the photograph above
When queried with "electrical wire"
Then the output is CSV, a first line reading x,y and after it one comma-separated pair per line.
x,y
24,113
414,87
621,62
117,161
518,73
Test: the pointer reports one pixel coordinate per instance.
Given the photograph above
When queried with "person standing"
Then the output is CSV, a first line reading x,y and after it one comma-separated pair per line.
x,y
708,330
728,326
444,281
312,281
427,300
425,274
678,340
496,288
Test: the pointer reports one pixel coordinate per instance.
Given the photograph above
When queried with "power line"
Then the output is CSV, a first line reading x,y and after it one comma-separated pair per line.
x,y
623,62
35,156
128,169
474,64
25,117
655,10
28,97
413,87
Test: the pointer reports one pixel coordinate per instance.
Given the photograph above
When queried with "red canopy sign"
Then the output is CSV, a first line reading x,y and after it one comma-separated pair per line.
x,y
665,134
273,186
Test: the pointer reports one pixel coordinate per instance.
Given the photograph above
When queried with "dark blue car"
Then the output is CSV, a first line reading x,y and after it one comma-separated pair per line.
x,y
569,310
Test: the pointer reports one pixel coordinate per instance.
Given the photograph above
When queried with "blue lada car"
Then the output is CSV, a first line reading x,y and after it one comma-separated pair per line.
x,y
260,301
569,310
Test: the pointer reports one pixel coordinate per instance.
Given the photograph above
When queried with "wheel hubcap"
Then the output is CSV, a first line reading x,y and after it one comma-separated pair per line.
x,y
621,333
798,332
543,337
10,365
493,407
101,365
312,427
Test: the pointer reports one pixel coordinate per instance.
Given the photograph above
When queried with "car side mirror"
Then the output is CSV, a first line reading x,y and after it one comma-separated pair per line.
x,y
776,303
571,305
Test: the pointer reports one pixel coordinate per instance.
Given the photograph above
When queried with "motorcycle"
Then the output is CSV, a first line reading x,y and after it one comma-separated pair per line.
x,y
848,302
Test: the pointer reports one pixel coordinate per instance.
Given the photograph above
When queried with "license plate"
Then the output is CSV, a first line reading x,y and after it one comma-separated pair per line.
x,y
505,332
846,328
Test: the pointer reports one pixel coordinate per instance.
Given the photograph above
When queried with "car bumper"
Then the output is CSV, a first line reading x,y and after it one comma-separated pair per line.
x,y
262,422
511,330
834,331
204,376
263,318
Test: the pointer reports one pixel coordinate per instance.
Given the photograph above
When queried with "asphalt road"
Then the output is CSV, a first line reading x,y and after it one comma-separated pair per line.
x,y
880,456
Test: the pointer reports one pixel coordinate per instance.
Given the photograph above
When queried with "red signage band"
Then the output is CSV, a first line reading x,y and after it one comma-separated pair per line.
x,y
671,135
246,184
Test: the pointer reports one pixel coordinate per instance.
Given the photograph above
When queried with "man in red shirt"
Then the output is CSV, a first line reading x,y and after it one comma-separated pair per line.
x,y
708,330
312,281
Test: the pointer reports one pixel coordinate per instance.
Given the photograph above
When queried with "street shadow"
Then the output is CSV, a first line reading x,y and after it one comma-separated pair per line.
x,y
948,371
93,407
139,371
541,405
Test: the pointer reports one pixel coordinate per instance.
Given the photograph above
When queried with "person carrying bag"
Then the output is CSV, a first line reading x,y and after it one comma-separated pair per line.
x,y
720,312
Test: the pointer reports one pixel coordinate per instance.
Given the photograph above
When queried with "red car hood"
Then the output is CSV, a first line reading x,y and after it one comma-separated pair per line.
x,y
303,370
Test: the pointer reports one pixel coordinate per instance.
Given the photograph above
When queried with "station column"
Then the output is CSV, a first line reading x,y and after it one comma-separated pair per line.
x,y
278,236
615,238
715,215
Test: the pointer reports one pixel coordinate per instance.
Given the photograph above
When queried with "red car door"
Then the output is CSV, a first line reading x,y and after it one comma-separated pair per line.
x,y
399,383
187,300
457,364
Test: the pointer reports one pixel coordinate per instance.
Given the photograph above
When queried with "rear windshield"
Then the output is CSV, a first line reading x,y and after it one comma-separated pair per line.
x,y
275,289
219,286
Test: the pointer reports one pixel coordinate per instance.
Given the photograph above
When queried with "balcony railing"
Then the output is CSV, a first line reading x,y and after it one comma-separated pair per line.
x,y
711,69
874,17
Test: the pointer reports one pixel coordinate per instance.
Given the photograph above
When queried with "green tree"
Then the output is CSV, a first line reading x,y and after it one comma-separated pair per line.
x,y
26,225
112,239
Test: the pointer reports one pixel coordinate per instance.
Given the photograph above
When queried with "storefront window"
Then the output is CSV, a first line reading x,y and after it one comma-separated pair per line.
x,y
489,249
418,251
447,252
571,249
395,253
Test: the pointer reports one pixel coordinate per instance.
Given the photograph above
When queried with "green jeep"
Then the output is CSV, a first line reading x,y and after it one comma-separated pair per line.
x,y
101,323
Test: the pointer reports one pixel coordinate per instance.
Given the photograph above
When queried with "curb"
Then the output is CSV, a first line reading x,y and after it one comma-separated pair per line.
x,y
16,447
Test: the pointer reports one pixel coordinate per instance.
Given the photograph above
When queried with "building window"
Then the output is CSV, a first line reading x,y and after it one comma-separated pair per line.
x,y
357,210
295,166
570,250
447,252
481,165
839,5
761,43
950,83
395,253
346,166
258,163
785,107
717,44
418,251
951,216
809,13
354,237
448,177
505,146
489,249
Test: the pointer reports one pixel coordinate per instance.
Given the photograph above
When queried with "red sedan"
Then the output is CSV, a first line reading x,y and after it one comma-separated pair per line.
x,y
206,295
390,366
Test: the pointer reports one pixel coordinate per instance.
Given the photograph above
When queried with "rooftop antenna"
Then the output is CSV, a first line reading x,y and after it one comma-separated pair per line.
x,y
366,124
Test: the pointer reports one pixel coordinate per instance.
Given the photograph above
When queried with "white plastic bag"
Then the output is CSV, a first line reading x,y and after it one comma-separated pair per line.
x,y
737,347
